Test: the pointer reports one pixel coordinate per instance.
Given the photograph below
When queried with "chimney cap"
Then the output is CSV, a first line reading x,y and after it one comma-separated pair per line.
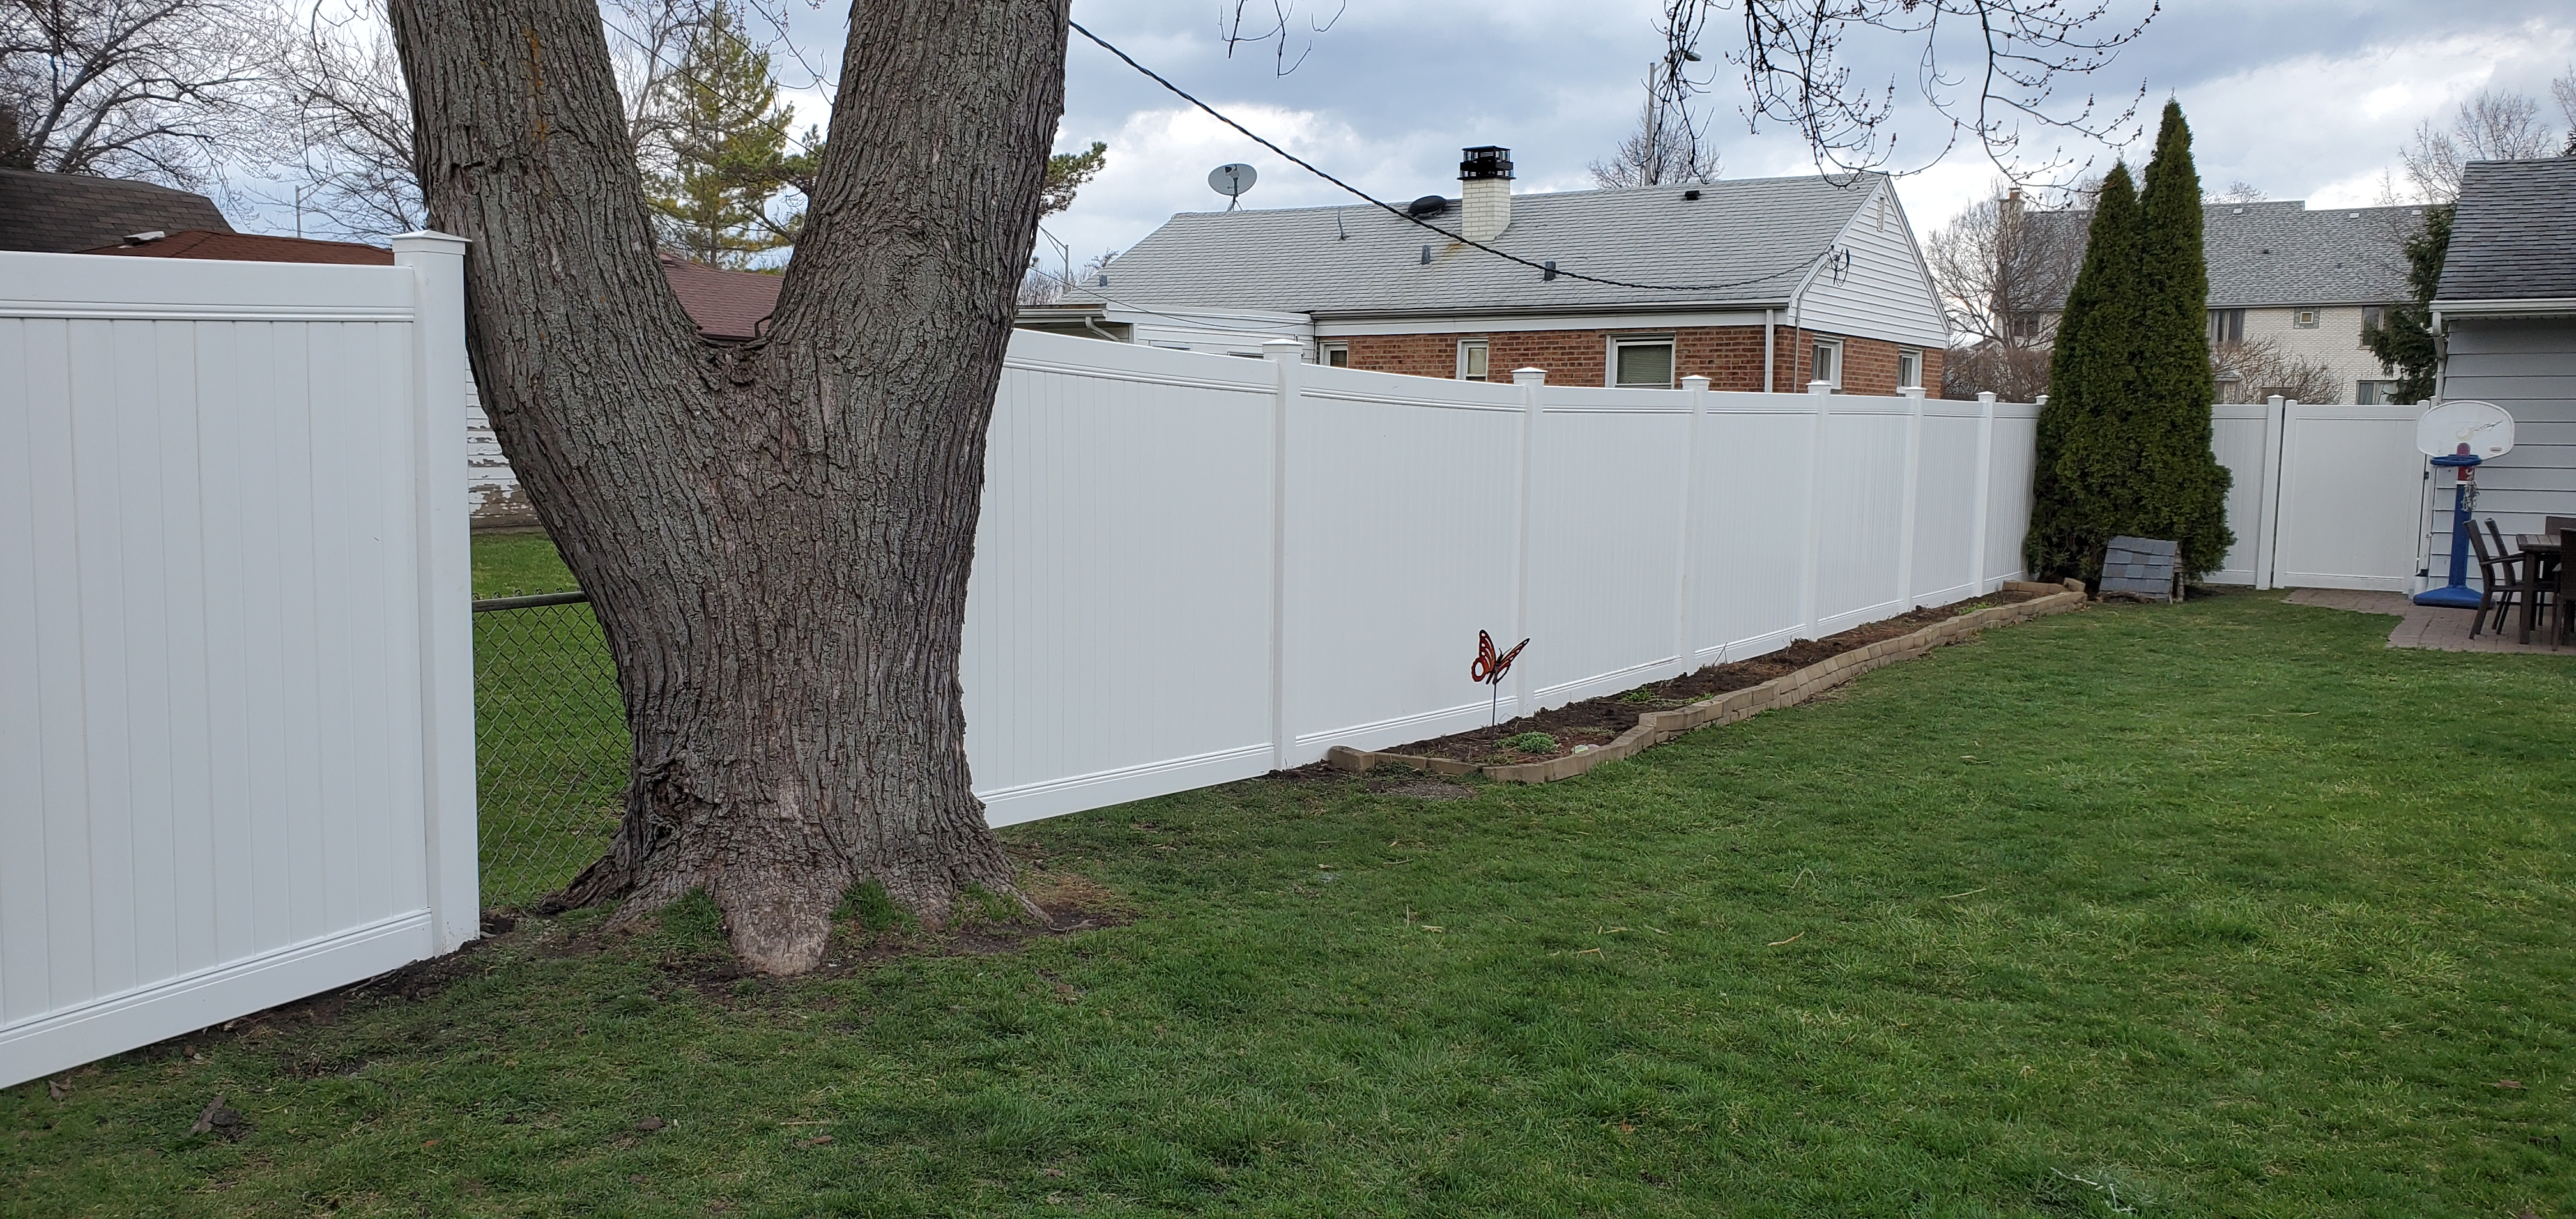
x,y
1485,161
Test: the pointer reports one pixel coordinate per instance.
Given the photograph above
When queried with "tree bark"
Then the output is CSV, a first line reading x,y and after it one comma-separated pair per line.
x,y
776,535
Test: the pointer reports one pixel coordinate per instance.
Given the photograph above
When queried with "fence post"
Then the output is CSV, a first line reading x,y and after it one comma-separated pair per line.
x,y
1684,647
1911,515
1977,516
1530,381
440,510
2267,503
1820,394
1288,357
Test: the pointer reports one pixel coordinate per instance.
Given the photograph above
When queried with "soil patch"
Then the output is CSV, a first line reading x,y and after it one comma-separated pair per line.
x,y
1580,727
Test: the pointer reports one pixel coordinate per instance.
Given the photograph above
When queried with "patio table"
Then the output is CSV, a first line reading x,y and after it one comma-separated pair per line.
x,y
2539,550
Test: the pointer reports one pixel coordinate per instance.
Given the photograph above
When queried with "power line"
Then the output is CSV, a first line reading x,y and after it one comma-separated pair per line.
x,y
1408,217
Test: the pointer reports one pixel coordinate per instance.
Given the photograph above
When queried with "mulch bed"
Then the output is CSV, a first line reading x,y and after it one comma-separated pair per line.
x,y
1598,721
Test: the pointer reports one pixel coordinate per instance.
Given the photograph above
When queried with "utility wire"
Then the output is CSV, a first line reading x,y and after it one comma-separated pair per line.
x,y
1408,217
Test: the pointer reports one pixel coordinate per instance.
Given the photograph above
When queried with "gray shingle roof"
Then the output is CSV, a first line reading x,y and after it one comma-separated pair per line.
x,y
2281,253
1766,230
2515,236
69,213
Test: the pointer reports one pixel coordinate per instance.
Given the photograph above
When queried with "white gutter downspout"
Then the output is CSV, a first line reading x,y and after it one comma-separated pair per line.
x,y
1770,384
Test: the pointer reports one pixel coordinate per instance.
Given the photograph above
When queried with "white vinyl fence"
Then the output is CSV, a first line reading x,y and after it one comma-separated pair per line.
x,y
1194,569
2325,496
235,704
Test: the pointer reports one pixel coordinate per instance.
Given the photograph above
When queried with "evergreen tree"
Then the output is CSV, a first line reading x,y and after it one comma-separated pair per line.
x,y
2405,345
726,150
2082,466
2179,491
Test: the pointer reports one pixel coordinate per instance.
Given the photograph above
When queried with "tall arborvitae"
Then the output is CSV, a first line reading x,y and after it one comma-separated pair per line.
x,y
2082,462
2405,345
2181,490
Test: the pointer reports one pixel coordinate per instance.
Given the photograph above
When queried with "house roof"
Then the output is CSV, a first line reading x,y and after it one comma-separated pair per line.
x,y
66,213
724,304
2515,235
251,247
1760,235
2275,253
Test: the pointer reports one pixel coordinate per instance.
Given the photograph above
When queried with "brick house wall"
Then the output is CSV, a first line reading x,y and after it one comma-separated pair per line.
x,y
1729,356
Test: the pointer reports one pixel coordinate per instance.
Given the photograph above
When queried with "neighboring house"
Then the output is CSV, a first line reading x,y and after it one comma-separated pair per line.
x,y
2506,314
1764,283
68,213
727,305
2307,281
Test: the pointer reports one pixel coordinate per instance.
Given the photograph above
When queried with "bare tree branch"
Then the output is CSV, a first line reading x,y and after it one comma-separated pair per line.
x,y
167,90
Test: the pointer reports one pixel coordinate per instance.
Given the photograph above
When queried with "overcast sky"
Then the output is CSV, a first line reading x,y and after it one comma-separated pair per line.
x,y
2304,99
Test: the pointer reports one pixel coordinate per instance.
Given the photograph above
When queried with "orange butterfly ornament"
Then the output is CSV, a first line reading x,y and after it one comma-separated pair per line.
x,y
1488,667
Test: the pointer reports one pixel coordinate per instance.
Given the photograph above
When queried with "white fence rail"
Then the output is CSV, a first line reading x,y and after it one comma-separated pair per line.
x,y
1194,569
235,710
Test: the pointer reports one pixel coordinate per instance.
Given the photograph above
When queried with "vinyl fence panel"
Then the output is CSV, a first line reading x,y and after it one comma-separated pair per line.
x,y
236,705
1194,568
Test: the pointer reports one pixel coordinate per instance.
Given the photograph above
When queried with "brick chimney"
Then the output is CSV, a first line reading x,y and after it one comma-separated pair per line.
x,y
1485,193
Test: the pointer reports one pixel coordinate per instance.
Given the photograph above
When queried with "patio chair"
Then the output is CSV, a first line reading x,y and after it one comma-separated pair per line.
x,y
2562,609
2502,574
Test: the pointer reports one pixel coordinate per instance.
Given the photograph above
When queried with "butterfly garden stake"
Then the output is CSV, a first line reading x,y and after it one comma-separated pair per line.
x,y
1490,668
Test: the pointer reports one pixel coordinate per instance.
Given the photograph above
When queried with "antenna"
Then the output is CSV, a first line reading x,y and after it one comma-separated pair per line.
x,y
1232,181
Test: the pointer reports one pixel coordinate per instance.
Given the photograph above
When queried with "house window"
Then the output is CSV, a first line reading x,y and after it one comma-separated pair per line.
x,y
2226,325
1643,363
2375,393
2373,317
1471,360
1336,354
1909,368
1828,363
2304,319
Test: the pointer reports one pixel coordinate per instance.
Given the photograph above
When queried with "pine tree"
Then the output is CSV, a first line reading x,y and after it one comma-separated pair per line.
x,y
2180,490
2081,465
726,150
2405,345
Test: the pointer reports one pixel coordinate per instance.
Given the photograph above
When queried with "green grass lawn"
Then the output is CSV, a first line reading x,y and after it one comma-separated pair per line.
x,y
2223,909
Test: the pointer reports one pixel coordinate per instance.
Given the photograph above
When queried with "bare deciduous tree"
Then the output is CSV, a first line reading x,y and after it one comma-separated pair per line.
x,y
1667,144
2019,56
165,90
2494,125
776,534
2001,266
341,115
2250,370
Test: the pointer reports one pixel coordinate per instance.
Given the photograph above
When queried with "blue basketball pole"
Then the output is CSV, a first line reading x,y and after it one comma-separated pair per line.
x,y
2457,594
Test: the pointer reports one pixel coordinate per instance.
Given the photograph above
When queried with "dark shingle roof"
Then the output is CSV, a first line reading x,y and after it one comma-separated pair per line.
x,y
2276,253
252,247
2515,235
1360,260
724,304
68,213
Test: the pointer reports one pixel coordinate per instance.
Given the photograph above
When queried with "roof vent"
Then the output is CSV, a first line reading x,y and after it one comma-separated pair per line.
x,y
1428,205
146,238
1690,195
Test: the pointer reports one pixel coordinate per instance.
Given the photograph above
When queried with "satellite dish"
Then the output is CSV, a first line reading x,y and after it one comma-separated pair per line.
x,y
2485,428
1232,181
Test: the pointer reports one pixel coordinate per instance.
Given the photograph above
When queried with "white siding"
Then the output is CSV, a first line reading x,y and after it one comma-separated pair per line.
x,y
1883,292
2528,367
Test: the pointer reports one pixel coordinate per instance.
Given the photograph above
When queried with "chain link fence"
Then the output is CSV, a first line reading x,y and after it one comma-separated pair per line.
x,y
550,741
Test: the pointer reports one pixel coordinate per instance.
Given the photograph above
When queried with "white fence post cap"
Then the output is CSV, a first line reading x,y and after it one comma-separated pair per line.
x,y
1820,387
1285,350
1988,395
429,241
2041,400
1694,381
1909,391
1529,376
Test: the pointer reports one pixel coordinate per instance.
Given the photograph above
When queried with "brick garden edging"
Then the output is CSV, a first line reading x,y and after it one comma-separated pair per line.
x,y
1786,690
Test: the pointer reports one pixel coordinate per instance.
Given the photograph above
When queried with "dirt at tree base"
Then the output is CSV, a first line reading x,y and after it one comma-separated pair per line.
x,y
1598,721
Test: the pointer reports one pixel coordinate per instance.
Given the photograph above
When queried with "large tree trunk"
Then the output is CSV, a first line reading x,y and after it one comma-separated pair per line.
x,y
776,535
